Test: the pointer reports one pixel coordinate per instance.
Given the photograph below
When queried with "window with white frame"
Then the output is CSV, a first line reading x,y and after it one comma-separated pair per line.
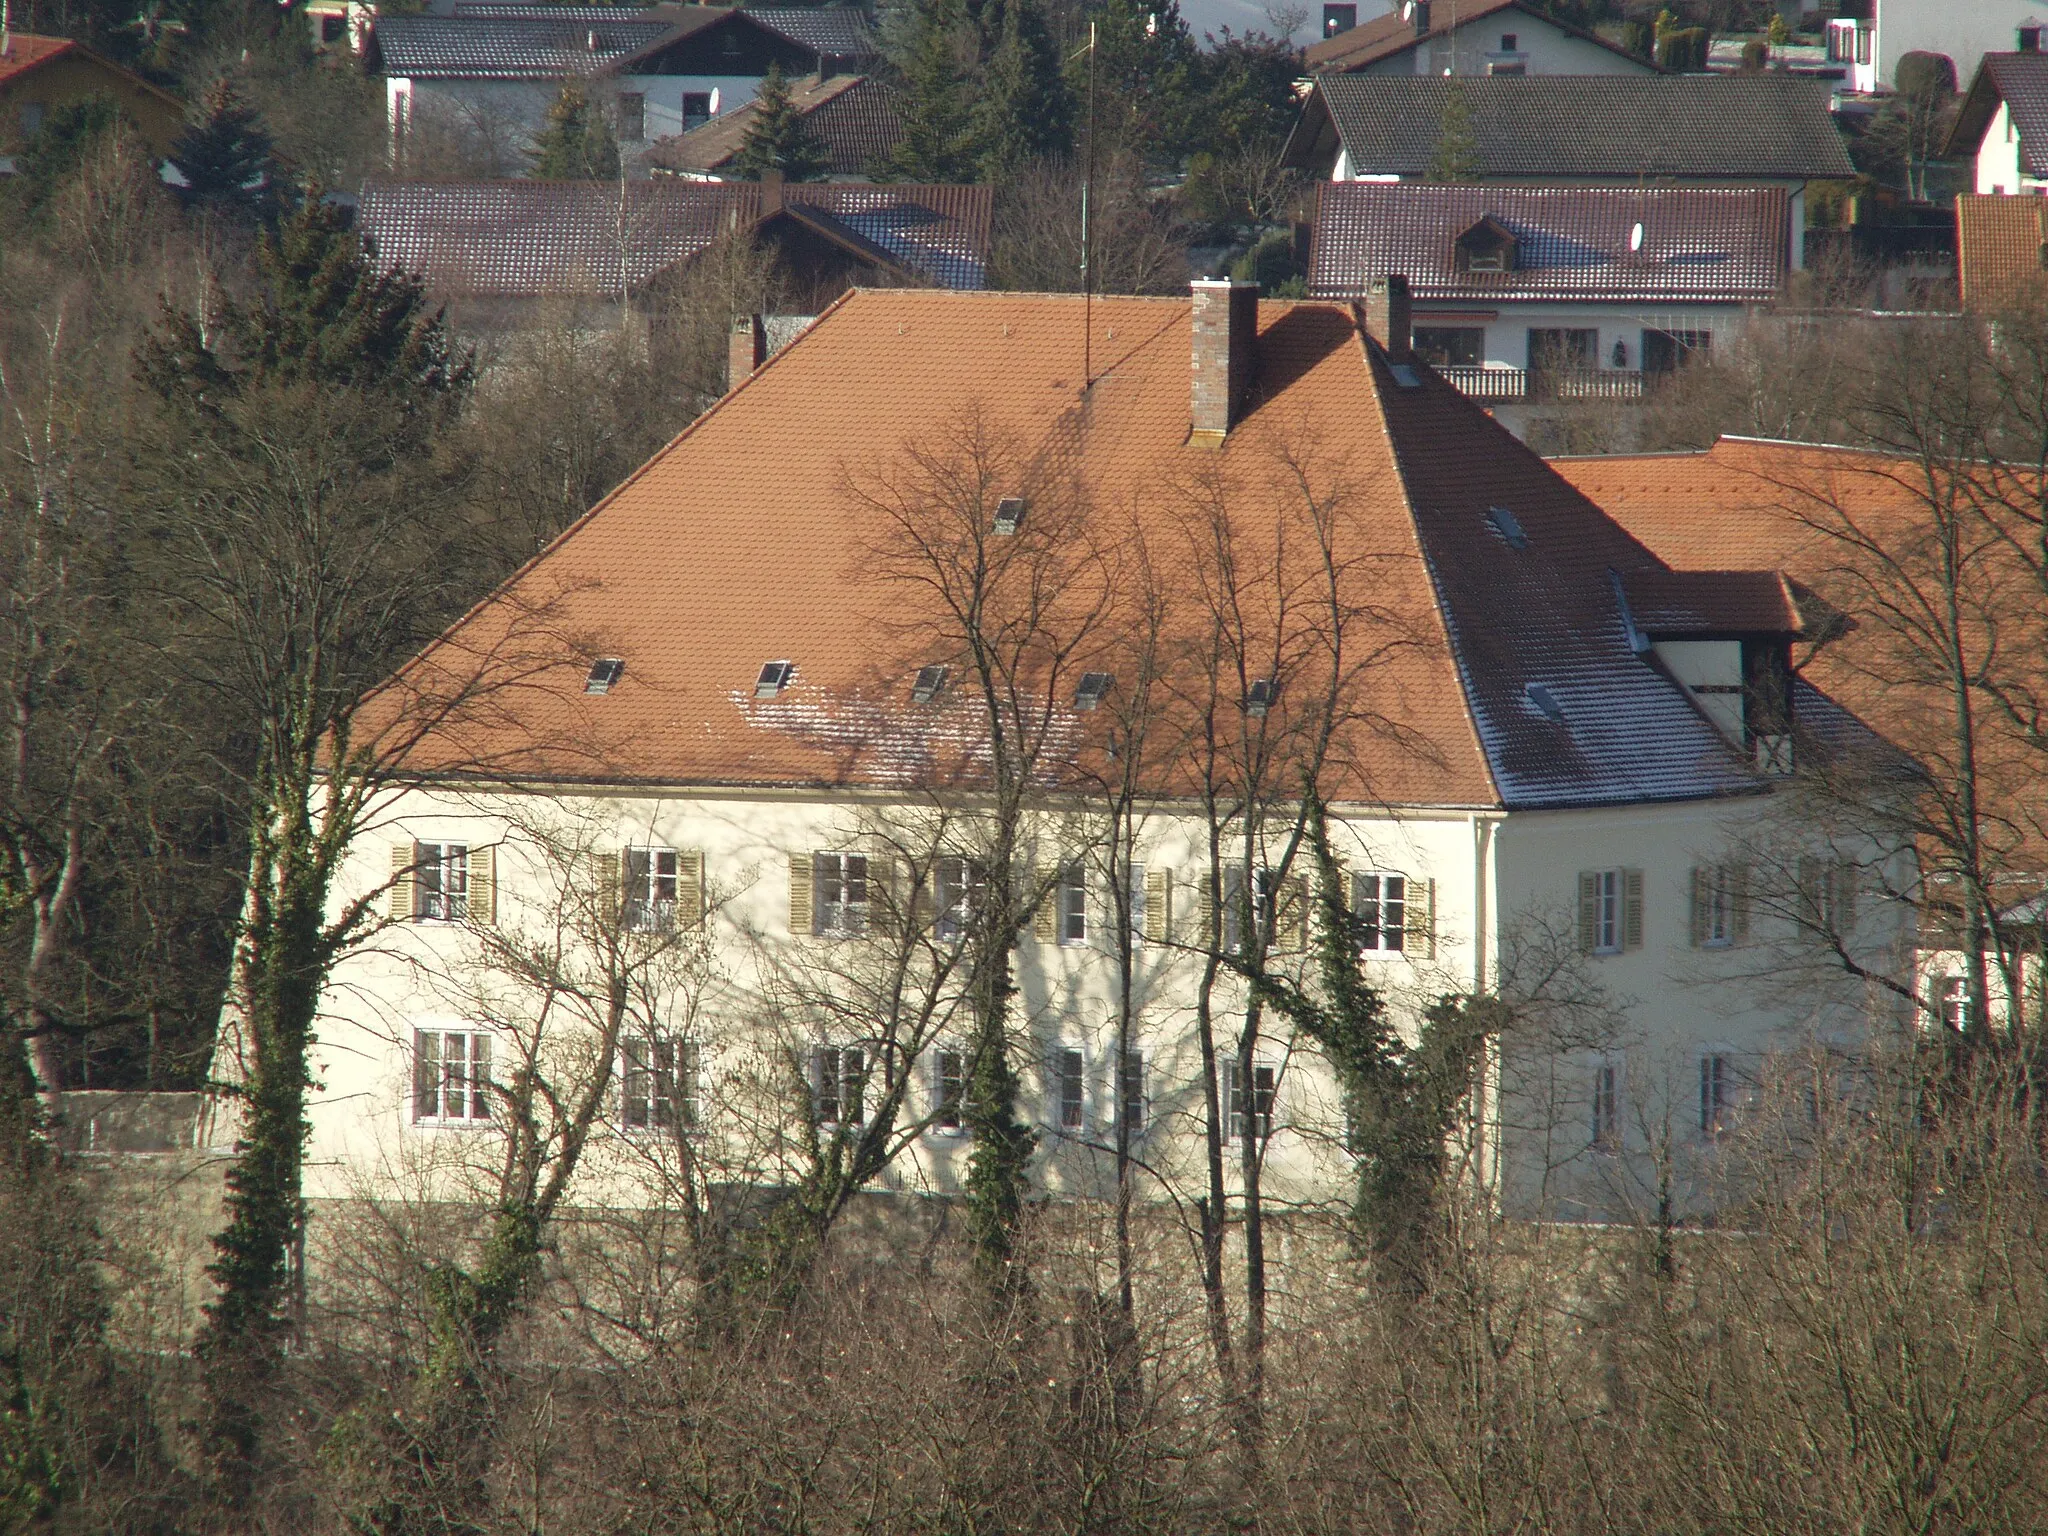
x,y
1266,886
1952,996
1606,1127
949,1091
1236,910
1379,904
1069,1089
1137,901
1716,896
962,888
440,882
1130,1091
1719,1094
658,1083
839,901
451,1075
1249,1102
838,1084
650,893
1603,895
1071,895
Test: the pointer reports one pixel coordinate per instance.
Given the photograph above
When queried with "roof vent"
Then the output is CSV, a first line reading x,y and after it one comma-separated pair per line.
x,y
1546,701
931,682
774,678
1508,526
1406,376
604,672
1009,515
1092,689
1259,697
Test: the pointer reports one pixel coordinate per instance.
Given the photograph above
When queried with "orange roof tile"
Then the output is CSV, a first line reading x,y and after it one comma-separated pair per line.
x,y
2001,249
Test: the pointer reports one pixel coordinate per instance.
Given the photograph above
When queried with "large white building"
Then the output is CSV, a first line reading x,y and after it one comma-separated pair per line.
x,y
739,735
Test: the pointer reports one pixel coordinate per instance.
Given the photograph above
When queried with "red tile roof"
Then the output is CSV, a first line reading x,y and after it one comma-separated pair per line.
x,y
25,51
2001,250
763,534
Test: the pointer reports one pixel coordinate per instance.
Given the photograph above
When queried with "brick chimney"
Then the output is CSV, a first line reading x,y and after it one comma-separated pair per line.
x,y
1386,311
1226,339
746,350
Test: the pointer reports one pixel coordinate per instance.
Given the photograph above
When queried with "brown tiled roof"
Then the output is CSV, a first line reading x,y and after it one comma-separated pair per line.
x,y
2001,249
530,238
744,542
2020,80
1711,244
1386,36
853,116
28,50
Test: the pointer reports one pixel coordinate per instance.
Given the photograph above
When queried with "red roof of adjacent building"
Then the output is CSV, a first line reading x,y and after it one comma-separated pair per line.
x,y
2001,250
25,51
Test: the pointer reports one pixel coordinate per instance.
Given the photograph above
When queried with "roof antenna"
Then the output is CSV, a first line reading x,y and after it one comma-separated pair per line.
x,y
1087,270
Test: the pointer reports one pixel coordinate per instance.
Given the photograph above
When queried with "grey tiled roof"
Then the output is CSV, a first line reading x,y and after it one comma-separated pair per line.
x,y
1715,244
855,117
838,31
2020,80
469,47
530,238
1559,127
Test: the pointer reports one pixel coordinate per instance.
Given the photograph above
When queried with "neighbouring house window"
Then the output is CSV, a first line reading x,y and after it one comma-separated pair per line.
x,y
1717,1094
1507,42
1502,67
1379,902
949,1089
838,1077
696,108
1606,1107
1130,1091
1069,1083
963,887
1954,999
1610,910
1072,894
1250,1105
650,894
632,117
840,905
1669,351
440,882
1718,903
1828,891
1450,346
451,1073
1606,925
659,1084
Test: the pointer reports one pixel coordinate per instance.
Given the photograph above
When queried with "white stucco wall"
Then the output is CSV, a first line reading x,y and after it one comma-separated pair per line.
x,y
1998,158
1507,334
519,108
1540,47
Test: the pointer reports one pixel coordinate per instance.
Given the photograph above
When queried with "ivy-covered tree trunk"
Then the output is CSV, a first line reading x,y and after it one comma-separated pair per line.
x,y
998,1168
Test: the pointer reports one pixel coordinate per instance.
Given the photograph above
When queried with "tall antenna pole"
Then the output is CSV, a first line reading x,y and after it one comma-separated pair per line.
x,y
1087,267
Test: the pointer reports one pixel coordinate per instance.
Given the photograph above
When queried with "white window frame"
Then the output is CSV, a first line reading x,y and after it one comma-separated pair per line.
x,y
443,898
445,1093
940,1124
659,1084
1070,903
962,885
1717,905
1372,891
847,916
650,891
1066,1098
1265,1086
845,1067
1952,1001
1608,897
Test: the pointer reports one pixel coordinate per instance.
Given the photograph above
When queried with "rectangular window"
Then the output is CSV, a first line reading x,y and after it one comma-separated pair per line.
x,y
949,1090
1668,351
1072,895
451,1074
1954,1000
659,1082
1379,902
1138,907
1069,1082
1606,1107
1130,1092
696,108
1607,912
1717,1095
1249,1113
838,1078
1566,349
963,886
840,905
440,882
650,894
1717,906
1450,346
632,117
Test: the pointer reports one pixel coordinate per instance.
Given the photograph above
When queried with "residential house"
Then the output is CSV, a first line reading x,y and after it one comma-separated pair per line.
x,y
855,118
39,74
2003,123
2001,251
658,71
1539,293
761,736
1464,37
501,245
1562,130
1869,37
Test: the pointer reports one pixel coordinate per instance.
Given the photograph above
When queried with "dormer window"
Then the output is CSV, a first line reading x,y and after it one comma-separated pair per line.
x,y
1009,515
1488,246
774,678
1259,697
930,683
1092,690
604,673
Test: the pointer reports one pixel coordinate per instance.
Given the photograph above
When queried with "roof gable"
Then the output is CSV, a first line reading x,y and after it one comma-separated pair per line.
x,y
2020,81
1389,36
855,117
27,52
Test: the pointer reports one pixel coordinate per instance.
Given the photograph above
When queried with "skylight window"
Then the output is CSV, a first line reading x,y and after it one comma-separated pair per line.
x,y
774,678
1546,701
1259,697
1406,376
1508,526
1009,515
1092,689
604,672
931,682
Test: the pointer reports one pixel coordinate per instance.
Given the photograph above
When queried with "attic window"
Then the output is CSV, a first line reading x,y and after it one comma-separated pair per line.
x,y
931,682
1488,246
774,678
1009,515
1092,689
1508,526
604,672
1259,697
1546,701
1406,376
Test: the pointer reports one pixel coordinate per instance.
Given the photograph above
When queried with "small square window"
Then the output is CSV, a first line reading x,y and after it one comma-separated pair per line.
x,y
1092,689
604,674
1508,526
774,677
930,683
1507,42
696,108
1260,696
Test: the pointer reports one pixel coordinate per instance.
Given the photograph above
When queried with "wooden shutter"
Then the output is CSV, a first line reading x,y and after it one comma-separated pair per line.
x,y
801,875
1738,903
1205,909
606,886
689,887
1158,905
882,907
1631,909
1700,897
483,886
1419,919
1589,910
1290,920
1045,917
403,857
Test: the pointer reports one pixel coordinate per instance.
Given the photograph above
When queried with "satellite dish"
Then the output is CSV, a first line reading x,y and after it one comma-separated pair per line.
x,y
1635,237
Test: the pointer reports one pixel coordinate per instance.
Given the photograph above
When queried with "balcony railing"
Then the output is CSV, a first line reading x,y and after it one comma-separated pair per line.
x,y
1478,383
1488,383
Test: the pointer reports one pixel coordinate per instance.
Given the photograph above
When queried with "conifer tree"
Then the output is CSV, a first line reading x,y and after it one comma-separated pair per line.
x,y
1025,111
779,138
1456,158
937,129
224,156
577,143
1149,95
